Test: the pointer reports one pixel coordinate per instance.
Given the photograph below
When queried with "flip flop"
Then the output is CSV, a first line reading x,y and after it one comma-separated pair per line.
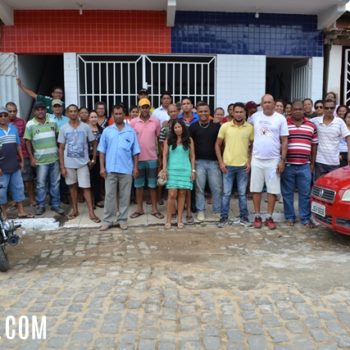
x,y
95,219
290,223
72,216
26,216
136,214
167,226
158,215
180,225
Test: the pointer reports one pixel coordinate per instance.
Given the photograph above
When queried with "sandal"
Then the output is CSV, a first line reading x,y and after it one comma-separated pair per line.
x,y
180,225
158,215
95,219
189,220
309,225
136,214
167,226
26,216
72,216
290,223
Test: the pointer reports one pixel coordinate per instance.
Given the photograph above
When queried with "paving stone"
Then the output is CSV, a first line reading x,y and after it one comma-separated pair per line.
x,y
295,327
146,344
253,328
278,335
343,341
211,343
257,342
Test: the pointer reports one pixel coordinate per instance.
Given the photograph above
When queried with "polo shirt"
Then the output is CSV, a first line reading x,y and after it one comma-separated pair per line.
x,y
161,114
20,124
119,147
43,139
47,100
9,140
329,137
300,140
236,140
62,120
195,118
147,135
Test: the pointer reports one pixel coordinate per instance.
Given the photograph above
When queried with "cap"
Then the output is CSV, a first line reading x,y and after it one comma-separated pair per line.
x,y
144,102
3,110
39,105
143,92
251,104
56,102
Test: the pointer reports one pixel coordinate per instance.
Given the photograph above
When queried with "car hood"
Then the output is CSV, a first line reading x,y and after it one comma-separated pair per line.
x,y
336,179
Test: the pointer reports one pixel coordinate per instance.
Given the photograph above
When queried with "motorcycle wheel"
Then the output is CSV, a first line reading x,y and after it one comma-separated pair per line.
x,y
4,263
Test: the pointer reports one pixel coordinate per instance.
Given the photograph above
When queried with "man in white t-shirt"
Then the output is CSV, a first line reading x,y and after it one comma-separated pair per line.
x,y
161,113
269,156
330,130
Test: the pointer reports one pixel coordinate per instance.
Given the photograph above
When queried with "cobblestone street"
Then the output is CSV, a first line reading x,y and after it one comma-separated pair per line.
x,y
200,288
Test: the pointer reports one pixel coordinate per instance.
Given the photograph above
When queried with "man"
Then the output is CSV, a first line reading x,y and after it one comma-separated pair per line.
x,y
301,154
236,138
269,156
318,108
187,115
307,106
56,94
74,138
330,130
164,132
40,136
11,163
204,134
161,113
143,93
27,171
57,116
147,130
119,150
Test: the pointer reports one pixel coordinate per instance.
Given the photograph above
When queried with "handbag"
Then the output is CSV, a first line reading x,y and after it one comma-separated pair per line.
x,y
160,180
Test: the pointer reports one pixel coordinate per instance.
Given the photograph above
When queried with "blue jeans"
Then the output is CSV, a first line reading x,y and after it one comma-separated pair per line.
x,y
48,173
11,182
323,169
296,176
208,170
239,173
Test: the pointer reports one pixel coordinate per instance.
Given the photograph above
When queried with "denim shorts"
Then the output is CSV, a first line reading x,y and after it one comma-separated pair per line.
x,y
12,182
147,172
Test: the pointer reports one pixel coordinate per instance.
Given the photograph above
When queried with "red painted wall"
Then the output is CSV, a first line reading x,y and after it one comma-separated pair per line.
x,y
93,31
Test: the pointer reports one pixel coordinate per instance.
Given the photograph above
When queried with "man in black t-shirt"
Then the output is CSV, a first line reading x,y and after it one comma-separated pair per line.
x,y
204,134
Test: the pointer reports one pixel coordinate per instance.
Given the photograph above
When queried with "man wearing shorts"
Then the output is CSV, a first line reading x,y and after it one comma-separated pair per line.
x,y
74,139
147,130
269,155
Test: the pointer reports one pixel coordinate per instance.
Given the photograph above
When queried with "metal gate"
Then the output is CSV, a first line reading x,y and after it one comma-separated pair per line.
x,y
347,77
114,79
301,80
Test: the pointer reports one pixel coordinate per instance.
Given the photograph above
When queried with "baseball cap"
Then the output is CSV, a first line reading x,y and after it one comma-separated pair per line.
x,y
143,92
39,105
251,104
3,110
144,102
56,102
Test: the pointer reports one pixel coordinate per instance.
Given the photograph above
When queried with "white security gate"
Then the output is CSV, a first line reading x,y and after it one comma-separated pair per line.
x,y
8,74
114,79
301,80
347,77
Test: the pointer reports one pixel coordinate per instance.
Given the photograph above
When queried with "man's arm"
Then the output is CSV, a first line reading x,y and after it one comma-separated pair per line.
x,y
102,165
136,165
27,91
313,156
284,150
20,156
218,145
61,147
30,153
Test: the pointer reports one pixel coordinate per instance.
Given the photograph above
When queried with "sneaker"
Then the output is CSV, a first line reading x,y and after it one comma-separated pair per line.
x,y
236,220
39,210
257,222
123,226
223,222
244,222
270,223
200,216
216,216
105,227
58,210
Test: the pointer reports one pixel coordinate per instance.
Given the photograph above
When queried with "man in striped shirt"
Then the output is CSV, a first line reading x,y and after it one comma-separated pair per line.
x,y
301,154
40,136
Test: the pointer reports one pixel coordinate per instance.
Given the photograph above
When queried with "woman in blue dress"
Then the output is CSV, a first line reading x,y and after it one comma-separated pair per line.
x,y
178,169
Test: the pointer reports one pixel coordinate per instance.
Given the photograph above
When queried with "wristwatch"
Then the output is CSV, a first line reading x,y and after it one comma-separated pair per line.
x,y
193,170
92,161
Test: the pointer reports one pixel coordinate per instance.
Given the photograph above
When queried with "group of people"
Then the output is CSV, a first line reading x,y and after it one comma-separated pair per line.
x,y
279,148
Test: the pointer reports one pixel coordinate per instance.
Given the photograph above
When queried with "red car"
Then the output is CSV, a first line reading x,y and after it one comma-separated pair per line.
x,y
330,200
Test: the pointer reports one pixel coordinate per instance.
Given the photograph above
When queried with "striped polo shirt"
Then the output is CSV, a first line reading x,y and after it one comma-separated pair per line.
x,y
9,140
329,137
300,140
43,139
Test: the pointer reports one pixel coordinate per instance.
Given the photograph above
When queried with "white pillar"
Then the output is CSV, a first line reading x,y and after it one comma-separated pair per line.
x,y
70,78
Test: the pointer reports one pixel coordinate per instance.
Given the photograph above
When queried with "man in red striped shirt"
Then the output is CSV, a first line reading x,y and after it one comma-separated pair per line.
x,y
301,155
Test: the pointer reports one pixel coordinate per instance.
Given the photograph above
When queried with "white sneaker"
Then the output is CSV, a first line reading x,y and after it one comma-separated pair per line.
x,y
216,216
200,216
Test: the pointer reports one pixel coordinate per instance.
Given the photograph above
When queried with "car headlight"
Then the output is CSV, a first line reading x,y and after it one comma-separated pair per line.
x,y
346,196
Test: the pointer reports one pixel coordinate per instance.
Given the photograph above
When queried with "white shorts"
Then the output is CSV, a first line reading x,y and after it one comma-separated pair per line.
x,y
265,171
80,176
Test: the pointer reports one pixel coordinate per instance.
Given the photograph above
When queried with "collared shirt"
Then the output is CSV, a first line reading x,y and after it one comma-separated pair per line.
x,y
9,140
328,139
147,134
43,139
237,140
47,100
300,140
194,119
20,124
119,146
60,121
161,114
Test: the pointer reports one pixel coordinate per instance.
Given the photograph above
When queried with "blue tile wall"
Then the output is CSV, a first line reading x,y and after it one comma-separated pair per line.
x,y
242,33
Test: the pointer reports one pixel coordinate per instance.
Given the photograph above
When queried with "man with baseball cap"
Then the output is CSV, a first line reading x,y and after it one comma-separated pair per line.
x,y
57,116
147,130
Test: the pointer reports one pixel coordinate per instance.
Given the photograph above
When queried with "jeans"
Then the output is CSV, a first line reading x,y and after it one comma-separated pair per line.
x,y
296,176
13,183
323,169
48,173
123,182
208,169
239,173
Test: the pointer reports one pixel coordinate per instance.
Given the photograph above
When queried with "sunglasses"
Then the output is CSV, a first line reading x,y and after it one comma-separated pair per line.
x,y
329,108
319,107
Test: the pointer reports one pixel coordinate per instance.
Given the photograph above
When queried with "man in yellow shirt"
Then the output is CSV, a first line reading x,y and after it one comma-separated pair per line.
x,y
236,137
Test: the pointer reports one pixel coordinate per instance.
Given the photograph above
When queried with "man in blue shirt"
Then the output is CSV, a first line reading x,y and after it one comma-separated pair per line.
x,y
57,116
119,151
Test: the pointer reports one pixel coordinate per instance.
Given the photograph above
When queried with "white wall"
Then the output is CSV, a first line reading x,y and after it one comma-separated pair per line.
x,y
70,78
334,70
239,78
316,78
